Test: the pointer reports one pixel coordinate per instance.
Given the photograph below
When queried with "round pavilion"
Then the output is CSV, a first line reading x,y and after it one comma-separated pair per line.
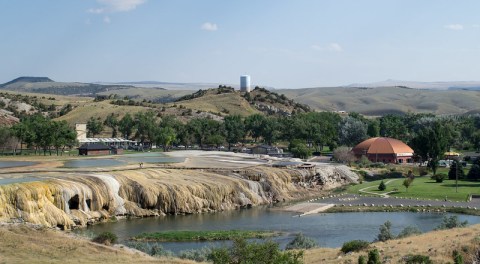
x,y
383,149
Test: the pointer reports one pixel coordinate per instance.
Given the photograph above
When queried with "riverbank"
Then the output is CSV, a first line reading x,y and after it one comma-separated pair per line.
x,y
39,245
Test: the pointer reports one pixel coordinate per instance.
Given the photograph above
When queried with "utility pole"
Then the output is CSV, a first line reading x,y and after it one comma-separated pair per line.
x,y
456,175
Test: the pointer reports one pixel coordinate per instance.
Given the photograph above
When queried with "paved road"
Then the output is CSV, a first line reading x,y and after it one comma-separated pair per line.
x,y
361,200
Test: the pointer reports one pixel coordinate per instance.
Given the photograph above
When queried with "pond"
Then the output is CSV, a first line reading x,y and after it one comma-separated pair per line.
x,y
329,230
83,163
12,164
153,157
19,180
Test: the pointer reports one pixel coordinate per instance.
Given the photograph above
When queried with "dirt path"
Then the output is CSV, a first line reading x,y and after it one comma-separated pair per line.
x,y
385,195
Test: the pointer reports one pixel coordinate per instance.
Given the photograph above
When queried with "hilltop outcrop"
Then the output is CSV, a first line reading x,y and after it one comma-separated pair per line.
x,y
74,199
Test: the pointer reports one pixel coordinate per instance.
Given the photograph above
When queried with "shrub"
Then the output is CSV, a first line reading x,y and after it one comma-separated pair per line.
x,y
253,252
301,242
362,260
438,177
422,171
157,250
451,222
417,259
457,257
382,186
385,232
106,238
374,257
409,231
354,245
199,255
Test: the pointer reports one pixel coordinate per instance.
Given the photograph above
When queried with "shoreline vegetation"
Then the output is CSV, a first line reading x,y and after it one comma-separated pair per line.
x,y
430,209
182,236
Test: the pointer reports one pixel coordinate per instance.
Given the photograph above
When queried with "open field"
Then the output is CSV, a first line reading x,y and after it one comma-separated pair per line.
x,y
422,187
385,100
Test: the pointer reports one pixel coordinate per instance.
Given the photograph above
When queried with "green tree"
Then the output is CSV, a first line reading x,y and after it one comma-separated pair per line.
x,y
254,125
165,137
407,182
474,172
299,149
352,131
234,129
112,122
94,127
430,141
126,126
146,125
373,128
456,169
385,232
382,186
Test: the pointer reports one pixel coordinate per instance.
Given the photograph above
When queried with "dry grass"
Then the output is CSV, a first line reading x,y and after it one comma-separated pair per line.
x,y
229,103
384,100
438,245
22,244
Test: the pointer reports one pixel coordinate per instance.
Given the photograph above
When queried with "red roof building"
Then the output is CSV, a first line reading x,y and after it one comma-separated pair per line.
x,y
386,150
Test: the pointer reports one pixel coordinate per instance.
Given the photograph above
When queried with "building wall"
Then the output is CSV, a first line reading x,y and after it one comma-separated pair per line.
x,y
94,152
389,158
81,131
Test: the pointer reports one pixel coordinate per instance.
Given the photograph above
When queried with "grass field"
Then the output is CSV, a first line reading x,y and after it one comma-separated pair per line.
x,y
422,187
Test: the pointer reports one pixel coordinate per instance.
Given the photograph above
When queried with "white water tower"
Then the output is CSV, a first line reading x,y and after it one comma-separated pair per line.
x,y
245,83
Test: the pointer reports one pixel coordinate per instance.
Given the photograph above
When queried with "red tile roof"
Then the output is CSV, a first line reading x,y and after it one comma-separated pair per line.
x,y
381,145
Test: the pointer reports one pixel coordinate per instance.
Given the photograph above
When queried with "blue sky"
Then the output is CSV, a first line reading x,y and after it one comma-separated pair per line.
x,y
280,43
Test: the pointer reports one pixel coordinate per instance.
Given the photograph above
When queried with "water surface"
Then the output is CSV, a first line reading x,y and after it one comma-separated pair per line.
x,y
12,164
329,230
85,163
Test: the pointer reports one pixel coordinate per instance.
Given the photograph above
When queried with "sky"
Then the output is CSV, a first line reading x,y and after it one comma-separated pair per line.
x,y
279,43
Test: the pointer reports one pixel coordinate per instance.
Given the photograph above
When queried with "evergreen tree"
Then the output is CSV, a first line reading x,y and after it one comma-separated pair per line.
x,y
382,186
455,169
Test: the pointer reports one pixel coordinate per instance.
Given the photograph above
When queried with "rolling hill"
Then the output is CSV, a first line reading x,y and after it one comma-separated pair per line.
x,y
386,100
471,85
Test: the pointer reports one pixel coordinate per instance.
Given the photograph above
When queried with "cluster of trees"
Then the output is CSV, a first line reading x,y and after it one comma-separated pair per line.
x,y
39,133
428,135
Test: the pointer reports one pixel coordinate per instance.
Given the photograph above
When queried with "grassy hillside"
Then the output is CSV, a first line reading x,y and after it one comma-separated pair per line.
x,y
384,100
158,95
227,100
227,103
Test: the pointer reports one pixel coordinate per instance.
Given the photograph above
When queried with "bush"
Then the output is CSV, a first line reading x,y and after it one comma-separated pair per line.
x,y
374,257
417,259
377,165
385,232
253,252
422,171
382,186
409,231
354,245
457,257
362,260
199,255
155,249
301,242
439,177
106,238
451,222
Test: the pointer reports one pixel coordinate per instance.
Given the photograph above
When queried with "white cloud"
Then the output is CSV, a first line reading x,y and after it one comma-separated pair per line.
x,y
112,6
454,27
334,47
209,26
107,20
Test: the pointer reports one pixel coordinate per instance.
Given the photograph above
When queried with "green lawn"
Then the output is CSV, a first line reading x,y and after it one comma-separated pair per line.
x,y
423,187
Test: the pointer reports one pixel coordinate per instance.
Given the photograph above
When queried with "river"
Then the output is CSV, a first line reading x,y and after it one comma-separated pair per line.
x,y
329,230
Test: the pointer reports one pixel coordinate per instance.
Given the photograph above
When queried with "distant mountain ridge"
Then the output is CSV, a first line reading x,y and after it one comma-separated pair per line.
x,y
460,85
